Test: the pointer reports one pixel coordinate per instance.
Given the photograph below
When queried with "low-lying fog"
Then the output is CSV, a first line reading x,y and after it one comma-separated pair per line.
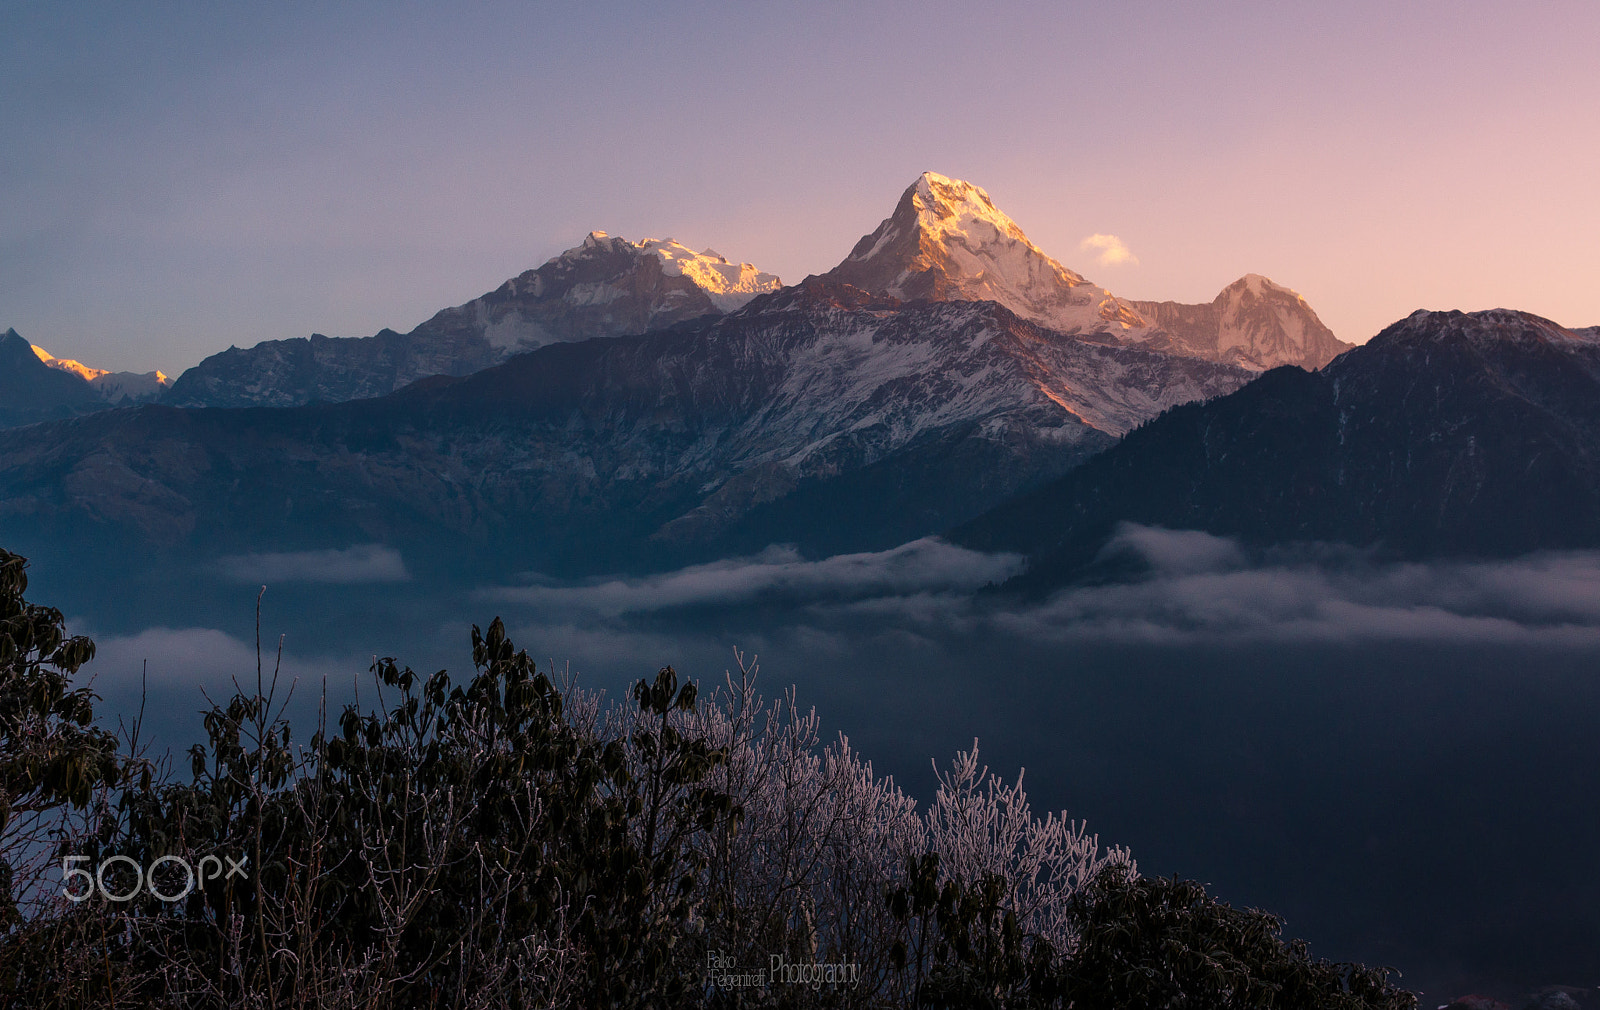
x,y
1403,760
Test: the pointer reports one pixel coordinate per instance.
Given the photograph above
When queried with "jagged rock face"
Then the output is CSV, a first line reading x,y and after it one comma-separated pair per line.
x,y
1448,433
131,387
1252,323
818,415
946,241
289,373
31,390
606,286
113,387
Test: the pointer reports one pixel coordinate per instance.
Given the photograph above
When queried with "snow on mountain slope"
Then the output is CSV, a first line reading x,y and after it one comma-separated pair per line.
x,y
947,241
77,368
114,387
897,421
606,286
1252,322
842,373
132,387
728,285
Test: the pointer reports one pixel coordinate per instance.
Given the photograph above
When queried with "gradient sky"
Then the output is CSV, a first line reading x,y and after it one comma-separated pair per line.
x,y
174,181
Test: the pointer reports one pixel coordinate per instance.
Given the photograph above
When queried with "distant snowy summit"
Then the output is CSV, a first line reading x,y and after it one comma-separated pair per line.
x,y
113,387
35,385
947,241
1253,323
604,287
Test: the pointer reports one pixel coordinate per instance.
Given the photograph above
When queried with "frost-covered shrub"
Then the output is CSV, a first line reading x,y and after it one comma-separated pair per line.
x,y
980,827
823,841
821,838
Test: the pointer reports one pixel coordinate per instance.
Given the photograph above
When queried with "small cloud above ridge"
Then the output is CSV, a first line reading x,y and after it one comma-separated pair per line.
x,y
1108,250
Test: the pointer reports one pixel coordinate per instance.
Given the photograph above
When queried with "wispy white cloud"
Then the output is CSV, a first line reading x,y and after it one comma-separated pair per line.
x,y
778,573
1200,587
1193,588
1108,250
364,563
198,658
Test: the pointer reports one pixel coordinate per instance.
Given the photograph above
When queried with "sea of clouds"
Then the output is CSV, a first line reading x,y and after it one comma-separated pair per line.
x,y
1179,587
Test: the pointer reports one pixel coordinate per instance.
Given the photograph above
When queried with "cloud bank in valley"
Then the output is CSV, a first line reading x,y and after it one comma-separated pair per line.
x,y
364,563
188,658
1189,587
1202,587
1186,588
777,575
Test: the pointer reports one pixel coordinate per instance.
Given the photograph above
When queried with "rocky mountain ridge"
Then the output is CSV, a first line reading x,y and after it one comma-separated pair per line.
x,y
113,387
1447,434
35,385
947,241
605,286
820,415
32,391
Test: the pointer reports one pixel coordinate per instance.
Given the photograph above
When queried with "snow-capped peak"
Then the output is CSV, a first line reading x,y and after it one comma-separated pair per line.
x,y
77,368
952,207
947,241
117,387
1262,324
728,285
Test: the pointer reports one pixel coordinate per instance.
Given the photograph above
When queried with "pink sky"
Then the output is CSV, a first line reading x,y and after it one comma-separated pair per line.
x,y
174,184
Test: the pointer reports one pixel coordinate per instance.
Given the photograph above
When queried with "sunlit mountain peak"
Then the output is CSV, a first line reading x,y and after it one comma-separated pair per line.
x,y
947,241
77,368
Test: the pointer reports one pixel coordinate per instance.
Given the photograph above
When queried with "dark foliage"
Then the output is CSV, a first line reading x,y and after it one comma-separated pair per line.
x,y
51,753
1447,434
1151,943
485,845
1165,943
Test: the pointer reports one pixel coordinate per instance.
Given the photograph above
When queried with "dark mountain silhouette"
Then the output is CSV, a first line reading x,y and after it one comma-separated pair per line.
x,y
1470,434
32,391
819,415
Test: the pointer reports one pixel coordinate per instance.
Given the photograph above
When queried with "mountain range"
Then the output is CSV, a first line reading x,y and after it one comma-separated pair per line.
x,y
945,241
633,405
877,421
35,385
649,402
604,287
1447,434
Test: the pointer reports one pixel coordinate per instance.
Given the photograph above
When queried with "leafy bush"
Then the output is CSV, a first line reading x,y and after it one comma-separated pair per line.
x,y
1165,943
